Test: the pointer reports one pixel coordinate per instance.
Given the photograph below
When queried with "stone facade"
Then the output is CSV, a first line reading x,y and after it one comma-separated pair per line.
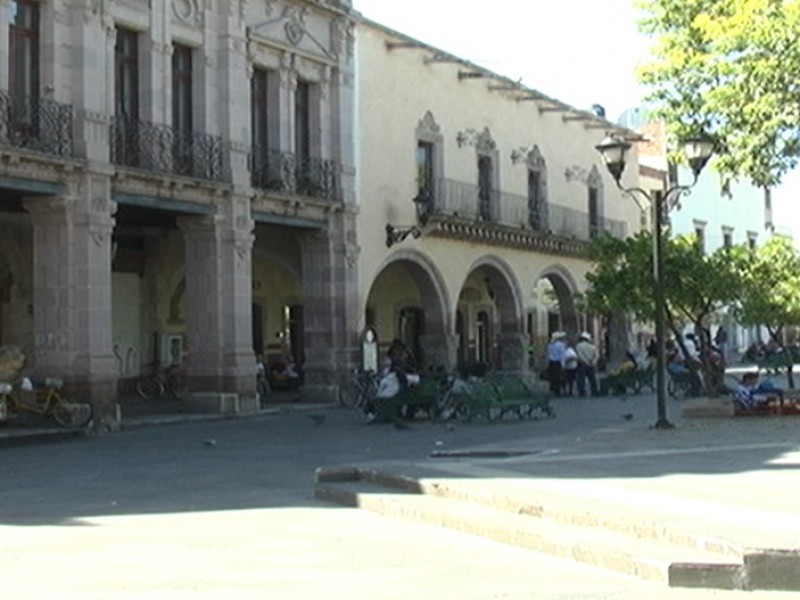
x,y
200,182
136,203
503,186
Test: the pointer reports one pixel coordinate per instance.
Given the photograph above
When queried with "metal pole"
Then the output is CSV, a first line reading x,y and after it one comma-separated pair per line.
x,y
660,294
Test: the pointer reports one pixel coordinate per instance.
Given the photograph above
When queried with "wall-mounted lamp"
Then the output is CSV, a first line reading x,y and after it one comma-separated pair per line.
x,y
395,235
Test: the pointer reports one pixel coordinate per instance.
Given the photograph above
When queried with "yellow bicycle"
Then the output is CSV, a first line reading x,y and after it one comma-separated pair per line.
x,y
45,400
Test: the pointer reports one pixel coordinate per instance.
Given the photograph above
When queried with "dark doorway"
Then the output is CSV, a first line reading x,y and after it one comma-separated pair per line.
x,y
409,329
258,329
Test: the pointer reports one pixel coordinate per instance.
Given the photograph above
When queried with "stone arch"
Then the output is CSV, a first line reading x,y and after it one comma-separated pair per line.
x,y
564,286
429,296
491,285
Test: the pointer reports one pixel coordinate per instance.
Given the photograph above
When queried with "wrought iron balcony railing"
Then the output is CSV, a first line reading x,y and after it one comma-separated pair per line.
x,y
36,124
285,173
461,200
164,149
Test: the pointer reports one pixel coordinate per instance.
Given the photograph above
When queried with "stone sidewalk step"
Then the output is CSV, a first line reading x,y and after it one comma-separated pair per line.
x,y
681,550
644,559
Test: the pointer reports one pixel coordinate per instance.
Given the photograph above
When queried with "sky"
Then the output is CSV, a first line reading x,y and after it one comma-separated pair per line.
x,y
582,52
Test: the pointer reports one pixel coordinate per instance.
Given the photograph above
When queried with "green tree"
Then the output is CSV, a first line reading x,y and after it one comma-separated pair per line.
x,y
729,67
696,285
770,290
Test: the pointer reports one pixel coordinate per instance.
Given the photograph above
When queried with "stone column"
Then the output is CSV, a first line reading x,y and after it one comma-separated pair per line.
x,y
331,312
219,299
512,351
72,292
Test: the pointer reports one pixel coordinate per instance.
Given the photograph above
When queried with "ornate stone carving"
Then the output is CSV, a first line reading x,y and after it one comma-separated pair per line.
x,y
188,11
531,156
594,179
481,140
576,173
294,24
428,127
342,37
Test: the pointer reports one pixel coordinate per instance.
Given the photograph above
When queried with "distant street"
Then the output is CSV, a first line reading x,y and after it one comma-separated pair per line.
x,y
224,509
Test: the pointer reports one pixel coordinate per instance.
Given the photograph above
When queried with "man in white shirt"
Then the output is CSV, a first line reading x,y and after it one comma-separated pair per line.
x,y
587,364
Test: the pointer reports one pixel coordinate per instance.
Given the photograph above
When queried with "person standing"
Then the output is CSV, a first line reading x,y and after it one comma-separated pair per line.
x,y
555,362
721,341
570,369
587,364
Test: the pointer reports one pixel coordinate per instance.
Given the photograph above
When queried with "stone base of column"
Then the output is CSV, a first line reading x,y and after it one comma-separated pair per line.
x,y
221,403
103,396
322,393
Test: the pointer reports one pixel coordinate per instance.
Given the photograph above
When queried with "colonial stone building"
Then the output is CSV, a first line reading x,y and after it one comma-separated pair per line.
x,y
176,184
198,182
486,194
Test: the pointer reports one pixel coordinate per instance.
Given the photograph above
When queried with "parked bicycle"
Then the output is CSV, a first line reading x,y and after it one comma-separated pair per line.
x,y
357,387
47,400
155,381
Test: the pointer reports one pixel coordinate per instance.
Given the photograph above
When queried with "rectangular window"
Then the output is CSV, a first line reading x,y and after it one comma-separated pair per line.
x,y
302,122
23,56
485,169
594,212
700,234
751,242
425,170
535,204
727,237
182,88
182,110
126,148
126,74
266,170
259,105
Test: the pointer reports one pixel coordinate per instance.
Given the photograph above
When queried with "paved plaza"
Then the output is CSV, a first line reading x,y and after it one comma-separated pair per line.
x,y
225,508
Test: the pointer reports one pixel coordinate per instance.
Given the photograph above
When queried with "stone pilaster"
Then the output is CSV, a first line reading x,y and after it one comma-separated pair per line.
x,y
5,21
331,313
512,351
72,291
219,299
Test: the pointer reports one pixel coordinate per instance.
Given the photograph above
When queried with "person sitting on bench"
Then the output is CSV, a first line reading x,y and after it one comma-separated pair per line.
x,y
751,394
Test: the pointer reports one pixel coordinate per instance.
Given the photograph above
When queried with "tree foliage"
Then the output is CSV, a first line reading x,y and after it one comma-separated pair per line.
x,y
770,290
729,67
696,285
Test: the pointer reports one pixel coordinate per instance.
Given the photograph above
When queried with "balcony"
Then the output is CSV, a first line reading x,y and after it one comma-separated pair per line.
x,y
36,124
164,149
285,173
465,202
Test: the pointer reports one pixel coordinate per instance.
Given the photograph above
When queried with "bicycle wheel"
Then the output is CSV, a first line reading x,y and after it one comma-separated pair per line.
x,y
176,384
72,414
350,394
149,386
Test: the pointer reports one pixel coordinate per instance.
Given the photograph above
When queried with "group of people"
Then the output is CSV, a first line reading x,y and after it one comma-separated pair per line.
x,y
571,365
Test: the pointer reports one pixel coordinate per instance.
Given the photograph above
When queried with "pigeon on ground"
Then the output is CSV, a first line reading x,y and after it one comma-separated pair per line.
x,y
317,419
628,416
210,443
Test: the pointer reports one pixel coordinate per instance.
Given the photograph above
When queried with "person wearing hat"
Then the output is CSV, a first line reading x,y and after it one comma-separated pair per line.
x,y
555,360
587,364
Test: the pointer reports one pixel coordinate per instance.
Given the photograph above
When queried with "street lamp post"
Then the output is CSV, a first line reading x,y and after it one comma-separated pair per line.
x,y
698,150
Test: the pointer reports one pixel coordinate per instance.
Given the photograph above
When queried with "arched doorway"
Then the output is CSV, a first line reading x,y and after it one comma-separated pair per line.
x,y
407,302
490,322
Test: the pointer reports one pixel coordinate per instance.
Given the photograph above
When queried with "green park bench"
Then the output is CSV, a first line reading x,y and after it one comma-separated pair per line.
x,y
408,403
632,381
498,396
